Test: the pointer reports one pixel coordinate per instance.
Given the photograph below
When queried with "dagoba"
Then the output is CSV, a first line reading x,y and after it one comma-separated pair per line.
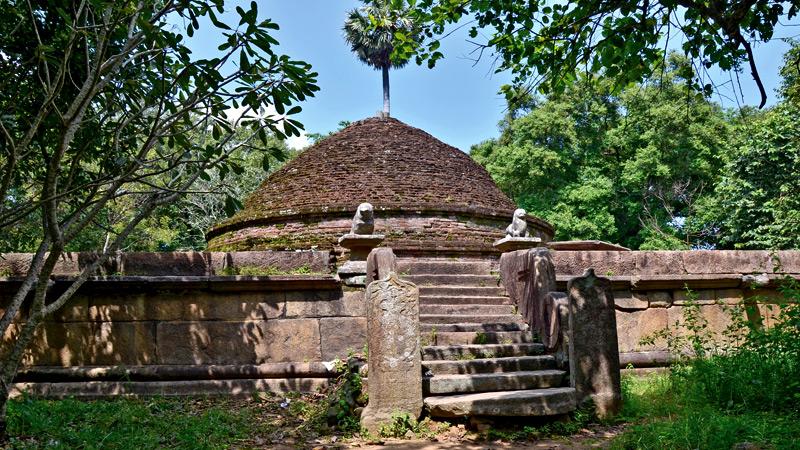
x,y
429,197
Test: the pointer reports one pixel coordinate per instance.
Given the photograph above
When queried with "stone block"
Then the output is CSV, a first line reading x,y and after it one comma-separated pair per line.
x,y
659,263
608,263
632,326
121,307
788,261
75,310
700,297
660,299
121,343
726,261
395,370
248,342
729,296
718,318
281,261
341,336
231,306
593,344
164,264
630,300
55,344
325,304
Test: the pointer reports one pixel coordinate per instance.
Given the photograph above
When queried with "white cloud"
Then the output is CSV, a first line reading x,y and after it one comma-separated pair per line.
x,y
298,142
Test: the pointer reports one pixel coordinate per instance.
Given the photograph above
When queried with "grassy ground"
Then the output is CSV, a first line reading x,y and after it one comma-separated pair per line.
x,y
663,415
658,414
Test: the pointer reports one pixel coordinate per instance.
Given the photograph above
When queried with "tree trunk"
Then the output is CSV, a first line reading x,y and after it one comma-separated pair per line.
x,y
385,70
3,410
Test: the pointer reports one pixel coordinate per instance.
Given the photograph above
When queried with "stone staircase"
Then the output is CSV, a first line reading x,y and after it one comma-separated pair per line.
x,y
479,358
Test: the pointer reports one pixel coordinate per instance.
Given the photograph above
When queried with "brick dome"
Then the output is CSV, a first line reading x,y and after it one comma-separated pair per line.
x,y
406,174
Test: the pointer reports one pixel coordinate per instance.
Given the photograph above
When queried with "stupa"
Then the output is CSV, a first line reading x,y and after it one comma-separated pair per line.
x,y
429,197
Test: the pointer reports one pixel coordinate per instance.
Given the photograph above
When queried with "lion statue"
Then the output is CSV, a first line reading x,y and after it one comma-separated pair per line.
x,y
364,220
518,227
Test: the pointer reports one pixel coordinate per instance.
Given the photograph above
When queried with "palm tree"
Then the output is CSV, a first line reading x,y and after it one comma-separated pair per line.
x,y
370,30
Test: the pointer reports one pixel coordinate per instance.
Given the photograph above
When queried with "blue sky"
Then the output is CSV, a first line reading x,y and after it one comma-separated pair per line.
x,y
457,101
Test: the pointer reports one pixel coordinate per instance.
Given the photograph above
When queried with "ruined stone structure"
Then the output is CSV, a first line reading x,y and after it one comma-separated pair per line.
x,y
283,291
428,197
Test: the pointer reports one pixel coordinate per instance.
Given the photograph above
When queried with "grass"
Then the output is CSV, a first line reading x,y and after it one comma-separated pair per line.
x,y
128,423
665,415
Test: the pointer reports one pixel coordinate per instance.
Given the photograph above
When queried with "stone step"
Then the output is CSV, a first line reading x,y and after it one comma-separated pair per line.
x,y
491,382
534,402
470,318
467,309
416,266
464,300
453,352
489,365
453,280
461,291
452,327
480,337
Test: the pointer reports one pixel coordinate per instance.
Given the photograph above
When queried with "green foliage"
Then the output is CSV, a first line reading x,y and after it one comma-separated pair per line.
x,y
665,415
759,195
255,271
749,368
547,43
371,30
346,396
629,168
125,424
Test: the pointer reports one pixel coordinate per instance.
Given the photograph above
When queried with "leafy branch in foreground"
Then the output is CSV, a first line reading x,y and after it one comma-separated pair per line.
x,y
546,42
98,100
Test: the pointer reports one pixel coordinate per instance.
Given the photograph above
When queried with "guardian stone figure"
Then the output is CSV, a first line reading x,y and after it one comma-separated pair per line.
x,y
364,220
518,227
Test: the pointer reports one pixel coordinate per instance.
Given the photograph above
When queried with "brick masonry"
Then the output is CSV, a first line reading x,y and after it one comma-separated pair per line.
x,y
428,195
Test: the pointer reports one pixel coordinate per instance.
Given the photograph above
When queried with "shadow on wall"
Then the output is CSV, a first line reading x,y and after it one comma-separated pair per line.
x,y
189,327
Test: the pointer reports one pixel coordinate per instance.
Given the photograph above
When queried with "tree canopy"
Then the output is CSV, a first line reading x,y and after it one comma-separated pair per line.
x,y
547,43
105,110
655,166
370,32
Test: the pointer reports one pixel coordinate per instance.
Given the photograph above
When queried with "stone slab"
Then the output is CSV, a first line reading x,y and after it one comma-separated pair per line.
x,y
536,402
248,342
659,263
492,382
606,262
325,304
490,365
341,336
510,244
188,305
700,297
628,300
632,326
111,389
728,261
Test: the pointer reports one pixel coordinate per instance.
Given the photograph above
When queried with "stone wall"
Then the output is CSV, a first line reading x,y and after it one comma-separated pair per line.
x,y
650,289
207,333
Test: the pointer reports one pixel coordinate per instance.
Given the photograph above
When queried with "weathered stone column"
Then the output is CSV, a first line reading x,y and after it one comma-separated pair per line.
x,y
593,348
395,369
